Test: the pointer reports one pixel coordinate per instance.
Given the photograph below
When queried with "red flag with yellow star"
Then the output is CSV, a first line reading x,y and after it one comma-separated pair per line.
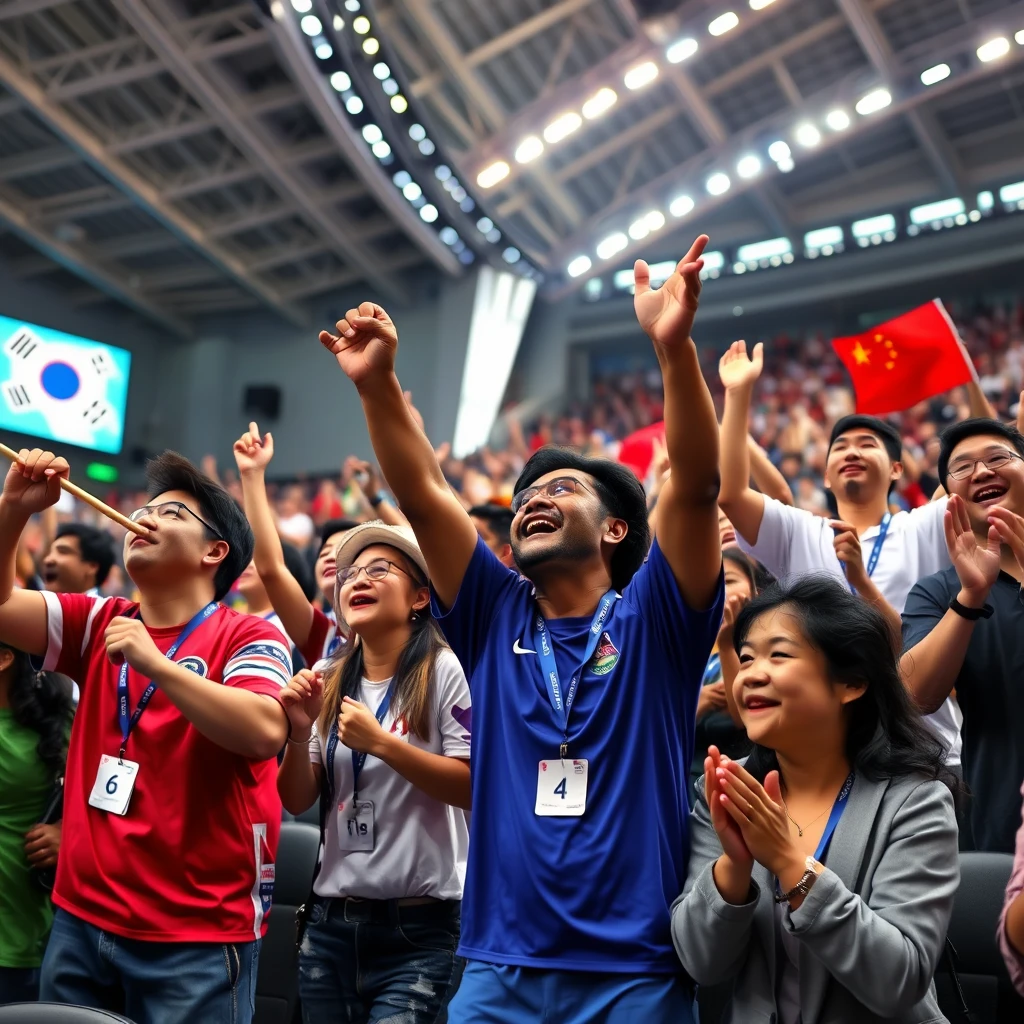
x,y
904,361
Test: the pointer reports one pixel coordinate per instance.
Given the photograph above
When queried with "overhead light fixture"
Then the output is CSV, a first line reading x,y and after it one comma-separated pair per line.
x,y
381,150
765,250
361,25
680,206
492,174
748,166
837,120
879,225
484,224
311,25
1019,37
718,183
994,49
641,75
580,265
779,150
1012,193
609,246
399,104
428,212
529,149
302,6
417,132
760,5
807,135
562,126
877,99
939,210
354,105
351,5
786,165
381,71
338,22
602,100
935,74
426,147
323,50
412,191
655,220
341,81
372,133
511,255
371,45
680,50
723,23
390,87
820,237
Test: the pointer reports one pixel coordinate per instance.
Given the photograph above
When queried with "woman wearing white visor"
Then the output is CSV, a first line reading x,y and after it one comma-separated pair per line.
x,y
380,734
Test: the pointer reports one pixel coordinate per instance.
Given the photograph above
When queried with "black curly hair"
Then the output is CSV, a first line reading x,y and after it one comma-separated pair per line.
x,y
41,701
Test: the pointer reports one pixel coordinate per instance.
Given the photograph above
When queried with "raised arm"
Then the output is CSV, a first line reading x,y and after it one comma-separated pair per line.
x,y
766,475
365,347
252,456
687,526
32,485
978,402
741,503
369,482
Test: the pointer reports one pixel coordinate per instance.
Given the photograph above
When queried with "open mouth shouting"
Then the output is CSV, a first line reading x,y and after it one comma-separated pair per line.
x,y
541,521
361,601
988,495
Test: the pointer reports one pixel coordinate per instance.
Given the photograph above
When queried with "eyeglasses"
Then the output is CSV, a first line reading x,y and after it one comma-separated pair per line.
x,y
169,511
560,487
376,570
963,468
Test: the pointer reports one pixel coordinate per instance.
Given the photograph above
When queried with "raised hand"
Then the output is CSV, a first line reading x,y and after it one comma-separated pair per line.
x,y
736,369
666,314
366,343
733,604
977,565
1010,528
33,481
253,453
303,700
729,834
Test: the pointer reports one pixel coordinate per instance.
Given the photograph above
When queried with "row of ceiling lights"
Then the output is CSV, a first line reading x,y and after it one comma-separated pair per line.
x,y
807,134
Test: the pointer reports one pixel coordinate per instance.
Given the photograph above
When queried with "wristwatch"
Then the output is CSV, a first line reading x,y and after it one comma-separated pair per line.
x,y
803,887
971,614
375,500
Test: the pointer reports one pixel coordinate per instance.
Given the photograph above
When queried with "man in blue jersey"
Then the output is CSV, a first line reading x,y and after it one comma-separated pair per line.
x,y
585,677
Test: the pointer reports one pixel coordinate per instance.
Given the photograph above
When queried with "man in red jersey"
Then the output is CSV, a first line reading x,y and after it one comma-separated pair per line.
x,y
171,813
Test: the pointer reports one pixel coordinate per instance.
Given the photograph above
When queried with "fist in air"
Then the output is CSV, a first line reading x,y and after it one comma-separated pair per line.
x,y
365,343
33,481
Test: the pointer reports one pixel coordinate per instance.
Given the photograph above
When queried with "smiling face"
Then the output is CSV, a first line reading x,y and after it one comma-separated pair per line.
x,y
783,690
858,467
983,488
381,605
64,571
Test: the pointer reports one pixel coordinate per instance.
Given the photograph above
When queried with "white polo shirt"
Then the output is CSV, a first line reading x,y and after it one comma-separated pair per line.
x,y
792,542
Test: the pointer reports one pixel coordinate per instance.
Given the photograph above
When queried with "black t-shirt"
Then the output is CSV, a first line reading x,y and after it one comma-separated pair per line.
x,y
990,691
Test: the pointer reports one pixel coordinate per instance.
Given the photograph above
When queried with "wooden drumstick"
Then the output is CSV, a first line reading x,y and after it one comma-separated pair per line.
x,y
100,506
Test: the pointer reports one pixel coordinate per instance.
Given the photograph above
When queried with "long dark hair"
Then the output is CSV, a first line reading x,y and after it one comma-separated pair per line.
x,y
885,736
41,701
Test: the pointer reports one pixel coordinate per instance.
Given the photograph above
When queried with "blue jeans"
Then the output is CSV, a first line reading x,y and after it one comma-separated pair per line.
x,y
374,962
19,985
499,994
150,982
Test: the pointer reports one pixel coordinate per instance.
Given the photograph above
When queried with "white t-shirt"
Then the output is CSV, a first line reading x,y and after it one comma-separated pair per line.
x,y
420,844
792,542
297,528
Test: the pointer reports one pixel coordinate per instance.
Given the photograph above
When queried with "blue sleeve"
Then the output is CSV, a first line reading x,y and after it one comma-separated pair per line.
x,y
684,634
926,604
467,624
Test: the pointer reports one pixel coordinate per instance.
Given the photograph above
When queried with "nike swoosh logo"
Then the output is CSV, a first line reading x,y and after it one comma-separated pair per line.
x,y
516,649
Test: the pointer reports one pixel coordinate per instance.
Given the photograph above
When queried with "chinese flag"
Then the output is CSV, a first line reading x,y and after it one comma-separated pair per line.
x,y
904,361
637,450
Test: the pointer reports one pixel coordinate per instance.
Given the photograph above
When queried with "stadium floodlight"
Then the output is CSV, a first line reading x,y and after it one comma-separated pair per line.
x,y
680,206
779,151
302,6
381,150
609,246
412,191
371,45
723,23
931,212
511,255
562,126
579,266
311,25
372,133
838,120
718,183
821,237
655,219
785,165
935,74
529,149
872,102
763,250
340,81
399,104
1012,193
428,213
361,25
324,50
994,49
1019,37
807,135
338,22
417,132
749,166
492,174
354,105
401,178
602,101
680,50
351,5
881,224
713,260
381,71
760,5
448,235
641,75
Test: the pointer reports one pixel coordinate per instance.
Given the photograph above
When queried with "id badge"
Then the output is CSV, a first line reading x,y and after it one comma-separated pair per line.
x,y
561,788
355,826
114,783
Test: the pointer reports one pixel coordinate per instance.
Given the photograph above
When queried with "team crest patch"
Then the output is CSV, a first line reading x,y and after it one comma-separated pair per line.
x,y
606,657
194,664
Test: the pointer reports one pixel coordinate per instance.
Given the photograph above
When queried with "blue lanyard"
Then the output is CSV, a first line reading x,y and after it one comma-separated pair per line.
x,y
876,551
127,724
358,757
545,652
833,819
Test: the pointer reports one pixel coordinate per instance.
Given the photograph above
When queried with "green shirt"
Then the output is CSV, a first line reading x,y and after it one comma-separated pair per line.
x,y
25,787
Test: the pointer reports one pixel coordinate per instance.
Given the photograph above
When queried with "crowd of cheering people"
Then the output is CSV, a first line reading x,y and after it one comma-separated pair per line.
x,y
579,748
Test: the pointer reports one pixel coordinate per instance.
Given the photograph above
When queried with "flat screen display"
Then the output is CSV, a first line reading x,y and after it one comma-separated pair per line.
x,y
59,387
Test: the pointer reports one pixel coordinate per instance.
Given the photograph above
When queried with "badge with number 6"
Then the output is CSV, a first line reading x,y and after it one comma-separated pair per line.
x,y
114,783
561,788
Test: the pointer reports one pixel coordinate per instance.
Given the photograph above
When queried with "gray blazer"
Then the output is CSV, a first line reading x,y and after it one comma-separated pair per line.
x,y
872,928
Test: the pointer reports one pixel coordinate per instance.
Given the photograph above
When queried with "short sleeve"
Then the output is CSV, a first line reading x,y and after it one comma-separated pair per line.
x,y
783,527
454,706
930,536
685,634
71,625
1014,959
466,625
258,659
322,632
926,604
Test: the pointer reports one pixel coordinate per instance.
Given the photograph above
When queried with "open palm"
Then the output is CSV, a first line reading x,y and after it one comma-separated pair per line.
x,y
666,313
977,565
736,369
366,342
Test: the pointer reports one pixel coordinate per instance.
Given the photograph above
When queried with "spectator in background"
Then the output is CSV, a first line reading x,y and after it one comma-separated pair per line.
x,y
494,525
78,561
1011,921
963,628
823,869
294,525
35,718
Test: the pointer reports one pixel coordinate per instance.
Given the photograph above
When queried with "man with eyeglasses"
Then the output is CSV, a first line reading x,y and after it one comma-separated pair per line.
x,y
171,812
963,627
585,676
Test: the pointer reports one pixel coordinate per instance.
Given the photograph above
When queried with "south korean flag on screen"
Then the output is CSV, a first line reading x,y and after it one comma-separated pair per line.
x,y
66,384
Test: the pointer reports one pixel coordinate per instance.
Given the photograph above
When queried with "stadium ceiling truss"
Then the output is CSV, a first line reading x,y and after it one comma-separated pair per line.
x,y
183,158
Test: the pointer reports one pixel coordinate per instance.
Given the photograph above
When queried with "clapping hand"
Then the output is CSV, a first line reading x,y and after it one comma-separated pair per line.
x,y
734,846
977,565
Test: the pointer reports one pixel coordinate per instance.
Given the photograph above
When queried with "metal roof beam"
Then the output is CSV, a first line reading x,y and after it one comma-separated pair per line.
x,y
19,8
38,161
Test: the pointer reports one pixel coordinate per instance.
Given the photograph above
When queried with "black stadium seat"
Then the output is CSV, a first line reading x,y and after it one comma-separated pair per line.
x,y
54,1013
277,983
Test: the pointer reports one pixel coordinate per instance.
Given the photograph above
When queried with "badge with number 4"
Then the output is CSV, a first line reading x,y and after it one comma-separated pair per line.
x,y
114,784
561,788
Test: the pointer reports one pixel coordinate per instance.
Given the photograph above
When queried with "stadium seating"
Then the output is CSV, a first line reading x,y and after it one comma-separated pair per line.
x,y
53,1013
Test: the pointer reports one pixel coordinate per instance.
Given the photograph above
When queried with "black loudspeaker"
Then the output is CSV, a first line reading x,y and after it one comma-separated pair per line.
x,y
655,8
262,401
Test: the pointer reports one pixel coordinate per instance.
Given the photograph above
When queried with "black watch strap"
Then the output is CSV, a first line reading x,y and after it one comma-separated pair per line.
x,y
971,614
375,500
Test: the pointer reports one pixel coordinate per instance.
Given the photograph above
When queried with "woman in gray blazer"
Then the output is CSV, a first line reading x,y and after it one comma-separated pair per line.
x,y
823,867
